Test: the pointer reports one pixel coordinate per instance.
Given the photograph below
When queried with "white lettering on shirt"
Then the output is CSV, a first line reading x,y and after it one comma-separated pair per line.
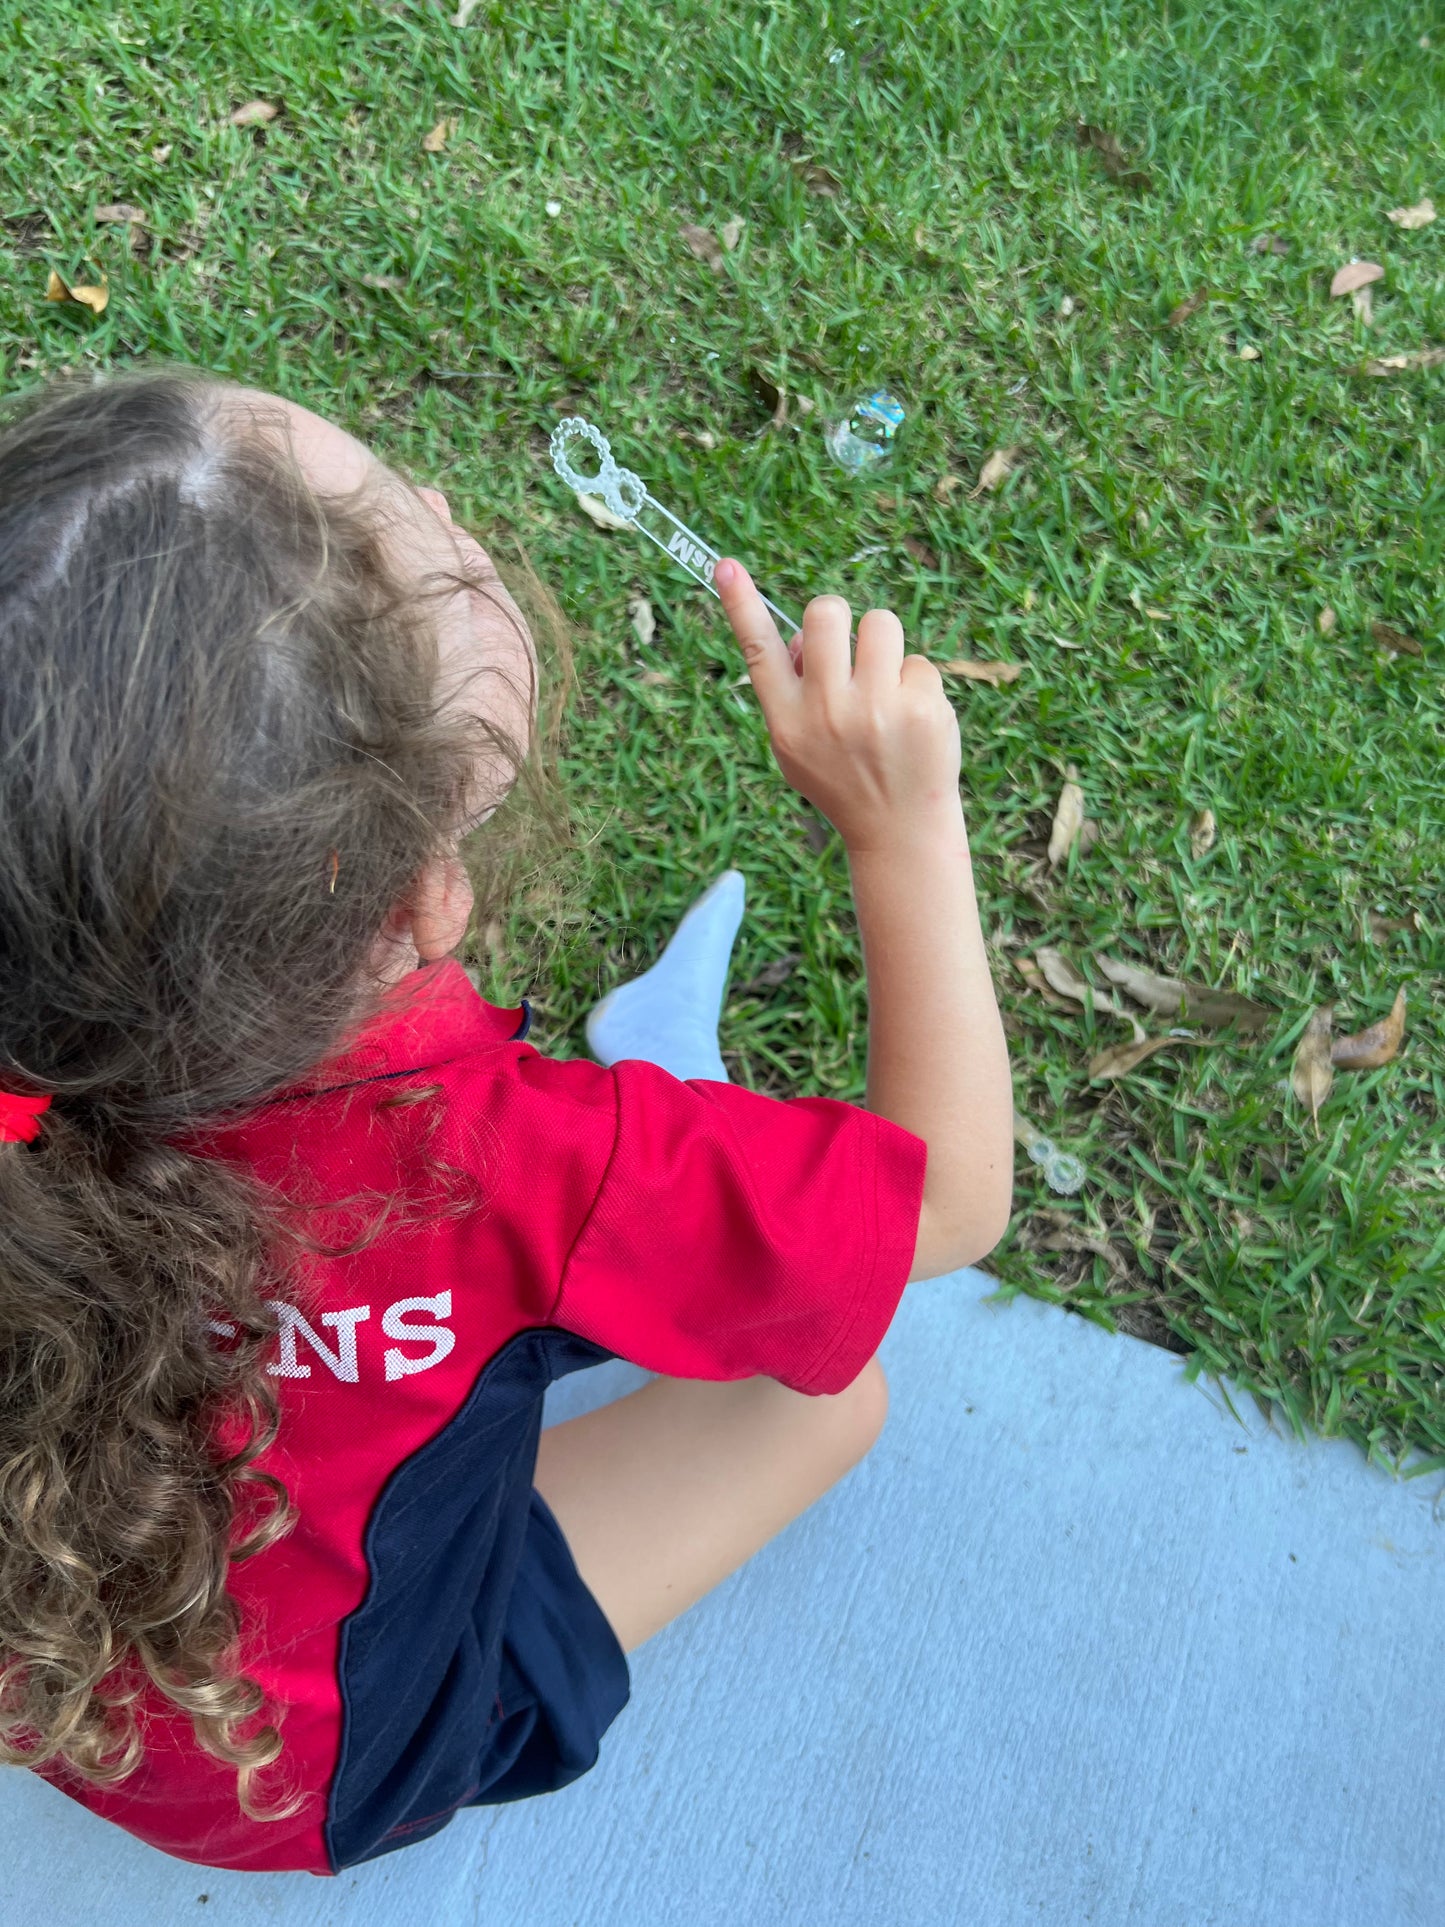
x,y
341,1362
398,1365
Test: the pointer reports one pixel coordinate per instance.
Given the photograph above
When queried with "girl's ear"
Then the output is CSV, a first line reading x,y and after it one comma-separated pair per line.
x,y
441,908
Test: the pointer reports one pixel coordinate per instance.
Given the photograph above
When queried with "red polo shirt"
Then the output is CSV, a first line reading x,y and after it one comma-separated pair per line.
x,y
423,1627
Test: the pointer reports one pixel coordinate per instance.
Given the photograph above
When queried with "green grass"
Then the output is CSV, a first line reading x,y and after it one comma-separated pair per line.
x,y
1163,472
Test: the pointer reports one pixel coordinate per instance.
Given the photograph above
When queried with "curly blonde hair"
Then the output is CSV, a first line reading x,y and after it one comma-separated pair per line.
x,y
211,682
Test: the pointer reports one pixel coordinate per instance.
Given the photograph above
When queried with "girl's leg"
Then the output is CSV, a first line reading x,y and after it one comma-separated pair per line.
x,y
662,1494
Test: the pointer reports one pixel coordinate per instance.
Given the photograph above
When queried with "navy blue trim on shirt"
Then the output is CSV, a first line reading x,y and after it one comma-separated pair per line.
x,y
420,1660
518,1036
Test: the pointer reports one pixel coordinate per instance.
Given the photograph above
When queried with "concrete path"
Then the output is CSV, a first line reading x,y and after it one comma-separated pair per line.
x,y
1073,1645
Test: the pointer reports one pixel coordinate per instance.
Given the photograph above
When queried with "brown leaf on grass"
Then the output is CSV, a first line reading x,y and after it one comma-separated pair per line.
x,y
925,557
650,678
1420,215
1068,820
945,485
253,113
772,974
1326,619
818,180
770,395
995,469
594,506
1355,274
817,834
1178,316
1269,244
644,622
1061,974
1381,929
436,140
1028,969
85,296
703,244
1312,1074
1395,640
1368,1049
115,212
1111,154
731,233
1201,833
1397,364
1069,1236
990,672
1170,996
1119,1059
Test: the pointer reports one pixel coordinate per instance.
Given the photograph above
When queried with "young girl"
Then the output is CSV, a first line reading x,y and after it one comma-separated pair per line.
x,y
295,1229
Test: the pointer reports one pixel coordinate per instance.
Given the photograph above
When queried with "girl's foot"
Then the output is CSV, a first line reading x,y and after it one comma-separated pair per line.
x,y
669,1015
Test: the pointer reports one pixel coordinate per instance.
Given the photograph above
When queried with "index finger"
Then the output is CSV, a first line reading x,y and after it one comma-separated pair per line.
x,y
769,661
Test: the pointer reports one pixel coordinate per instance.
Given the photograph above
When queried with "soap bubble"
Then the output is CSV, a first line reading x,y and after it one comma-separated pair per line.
x,y
862,440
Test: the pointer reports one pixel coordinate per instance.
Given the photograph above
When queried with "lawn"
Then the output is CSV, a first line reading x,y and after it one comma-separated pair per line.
x,y
918,209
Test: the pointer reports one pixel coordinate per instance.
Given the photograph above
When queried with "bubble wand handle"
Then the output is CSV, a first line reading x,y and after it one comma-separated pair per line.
x,y
625,496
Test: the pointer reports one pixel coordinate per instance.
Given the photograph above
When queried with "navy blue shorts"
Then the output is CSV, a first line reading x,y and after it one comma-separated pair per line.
x,y
564,1674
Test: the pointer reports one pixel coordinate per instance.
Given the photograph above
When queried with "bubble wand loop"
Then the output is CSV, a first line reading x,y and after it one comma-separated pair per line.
x,y
625,495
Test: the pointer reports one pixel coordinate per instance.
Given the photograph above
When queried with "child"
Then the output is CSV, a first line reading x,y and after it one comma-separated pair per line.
x,y
295,1229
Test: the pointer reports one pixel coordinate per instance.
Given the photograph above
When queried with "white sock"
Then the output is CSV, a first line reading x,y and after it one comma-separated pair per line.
x,y
669,1015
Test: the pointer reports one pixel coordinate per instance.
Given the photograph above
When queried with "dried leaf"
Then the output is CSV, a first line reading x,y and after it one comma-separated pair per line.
x,y
84,295
650,678
1061,974
1201,833
925,557
1178,316
1249,352
1068,1238
1119,1059
703,438
1395,640
644,623
1383,928
772,974
995,469
114,212
990,672
1397,364
945,485
1029,970
436,140
732,233
493,933
1170,996
1312,1074
254,113
1355,274
818,180
1068,821
1368,1049
1326,620
594,506
1420,215
1269,244
1116,165
770,395
703,245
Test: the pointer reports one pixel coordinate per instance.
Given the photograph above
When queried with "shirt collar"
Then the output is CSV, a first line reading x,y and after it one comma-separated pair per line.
x,y
433,1014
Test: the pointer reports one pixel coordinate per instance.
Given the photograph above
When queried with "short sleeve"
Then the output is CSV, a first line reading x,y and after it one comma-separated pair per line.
x,y
735,1235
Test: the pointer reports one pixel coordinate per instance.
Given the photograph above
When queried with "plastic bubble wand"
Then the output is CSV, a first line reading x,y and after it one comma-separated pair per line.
x,y
625,496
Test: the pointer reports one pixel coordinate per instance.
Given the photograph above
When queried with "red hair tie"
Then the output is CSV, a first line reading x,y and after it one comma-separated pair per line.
x,y
20,1117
